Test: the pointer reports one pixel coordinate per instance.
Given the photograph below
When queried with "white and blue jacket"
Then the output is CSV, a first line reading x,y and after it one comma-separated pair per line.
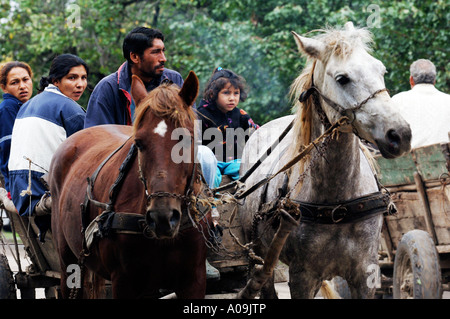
x,y
41,125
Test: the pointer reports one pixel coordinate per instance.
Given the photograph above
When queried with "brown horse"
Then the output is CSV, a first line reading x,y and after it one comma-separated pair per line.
x,y
137,228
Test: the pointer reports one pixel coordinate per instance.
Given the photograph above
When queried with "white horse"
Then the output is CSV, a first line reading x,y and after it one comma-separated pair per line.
x,y
340,228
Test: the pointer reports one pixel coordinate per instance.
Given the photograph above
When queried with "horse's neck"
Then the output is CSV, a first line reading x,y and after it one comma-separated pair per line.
x,y
336,174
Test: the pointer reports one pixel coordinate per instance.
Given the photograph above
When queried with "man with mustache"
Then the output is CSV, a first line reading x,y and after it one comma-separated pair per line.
x,y
111,101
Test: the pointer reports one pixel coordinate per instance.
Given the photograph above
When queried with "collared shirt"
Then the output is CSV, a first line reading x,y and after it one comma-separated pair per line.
x,y
427,110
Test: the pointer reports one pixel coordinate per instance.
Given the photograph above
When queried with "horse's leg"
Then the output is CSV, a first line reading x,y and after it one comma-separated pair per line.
x,y
268,289
67,258
361,287
65,291
194,284
361,281
302,284
127,287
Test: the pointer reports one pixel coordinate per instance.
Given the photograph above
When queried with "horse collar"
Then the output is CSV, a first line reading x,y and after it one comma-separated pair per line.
x,y
345,212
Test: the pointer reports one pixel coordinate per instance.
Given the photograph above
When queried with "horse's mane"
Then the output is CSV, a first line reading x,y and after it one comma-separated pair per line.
x,y
165,102
341,43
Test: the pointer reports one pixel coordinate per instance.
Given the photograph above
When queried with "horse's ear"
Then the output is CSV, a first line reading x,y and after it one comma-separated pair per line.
x,y
312,47
349,26
138,90
189,91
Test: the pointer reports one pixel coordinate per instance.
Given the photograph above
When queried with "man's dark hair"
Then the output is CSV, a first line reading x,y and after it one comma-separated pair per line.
x,y
138,40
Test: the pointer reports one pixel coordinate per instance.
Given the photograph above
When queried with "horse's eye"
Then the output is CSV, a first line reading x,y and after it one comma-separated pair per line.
x,y
342,79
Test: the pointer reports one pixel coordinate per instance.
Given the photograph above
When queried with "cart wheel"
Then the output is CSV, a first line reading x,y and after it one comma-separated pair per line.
x,y
7,284
417,273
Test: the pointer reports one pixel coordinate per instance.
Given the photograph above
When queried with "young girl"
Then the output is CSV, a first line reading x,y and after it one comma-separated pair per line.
x,y
225,127
16,83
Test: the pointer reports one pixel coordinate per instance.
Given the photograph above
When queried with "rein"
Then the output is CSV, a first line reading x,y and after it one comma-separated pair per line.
x,y
126,223
348,211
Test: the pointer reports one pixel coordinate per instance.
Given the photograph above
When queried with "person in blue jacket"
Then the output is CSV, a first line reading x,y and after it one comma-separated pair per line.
x,y
41,125
17,85
111,101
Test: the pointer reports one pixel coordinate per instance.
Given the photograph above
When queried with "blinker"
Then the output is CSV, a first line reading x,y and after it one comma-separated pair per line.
x,y
305,95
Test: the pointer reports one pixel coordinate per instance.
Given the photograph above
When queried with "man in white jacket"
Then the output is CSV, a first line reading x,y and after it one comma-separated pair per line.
x,y
424,107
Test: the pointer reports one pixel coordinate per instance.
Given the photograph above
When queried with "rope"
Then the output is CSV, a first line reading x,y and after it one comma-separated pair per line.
x,y
28,190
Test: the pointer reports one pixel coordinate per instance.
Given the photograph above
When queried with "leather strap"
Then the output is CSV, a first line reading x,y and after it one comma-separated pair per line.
x,y
344,212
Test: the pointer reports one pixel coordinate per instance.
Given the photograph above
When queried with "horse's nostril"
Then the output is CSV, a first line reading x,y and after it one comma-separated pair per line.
x,y
150,221
393,136
394,140
175,218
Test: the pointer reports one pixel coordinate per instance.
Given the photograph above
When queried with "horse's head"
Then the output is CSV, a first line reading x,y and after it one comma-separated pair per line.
x,y
350,82
163,134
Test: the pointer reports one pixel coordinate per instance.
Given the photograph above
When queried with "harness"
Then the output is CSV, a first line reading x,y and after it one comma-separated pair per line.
x,y
110,221
319,213
350,113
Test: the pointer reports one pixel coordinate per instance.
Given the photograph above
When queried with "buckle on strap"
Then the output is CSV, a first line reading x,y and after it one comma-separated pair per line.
x,y
338,213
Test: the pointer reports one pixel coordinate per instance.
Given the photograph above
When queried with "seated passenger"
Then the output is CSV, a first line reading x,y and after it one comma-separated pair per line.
x,y
41,125
225,127
16,83
111,101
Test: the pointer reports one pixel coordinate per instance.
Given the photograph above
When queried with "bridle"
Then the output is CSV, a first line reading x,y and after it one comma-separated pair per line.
x,y
350,113
130,223
185,198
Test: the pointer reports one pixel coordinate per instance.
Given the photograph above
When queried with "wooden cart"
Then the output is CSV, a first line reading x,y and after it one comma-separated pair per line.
x,y
415,246
415,249
44,269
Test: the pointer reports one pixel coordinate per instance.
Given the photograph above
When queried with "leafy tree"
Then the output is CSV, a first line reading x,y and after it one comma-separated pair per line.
x,y
248,36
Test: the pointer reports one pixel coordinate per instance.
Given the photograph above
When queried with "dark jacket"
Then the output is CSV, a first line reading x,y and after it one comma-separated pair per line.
x,y
111,102
226,148
8,112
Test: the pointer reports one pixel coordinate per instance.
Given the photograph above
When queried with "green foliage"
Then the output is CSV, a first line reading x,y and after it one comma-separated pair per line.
x,y
248,36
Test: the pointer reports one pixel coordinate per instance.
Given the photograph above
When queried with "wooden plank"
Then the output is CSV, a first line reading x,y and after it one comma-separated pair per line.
x,y
426,206
443,249
440,212
410,216
397,171
30,241
430,161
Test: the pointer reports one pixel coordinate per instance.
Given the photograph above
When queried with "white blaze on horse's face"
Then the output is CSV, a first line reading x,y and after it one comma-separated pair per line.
x,y
350,75
161,129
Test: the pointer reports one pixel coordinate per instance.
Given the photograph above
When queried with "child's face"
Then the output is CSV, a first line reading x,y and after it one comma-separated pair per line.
x,y
228,98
